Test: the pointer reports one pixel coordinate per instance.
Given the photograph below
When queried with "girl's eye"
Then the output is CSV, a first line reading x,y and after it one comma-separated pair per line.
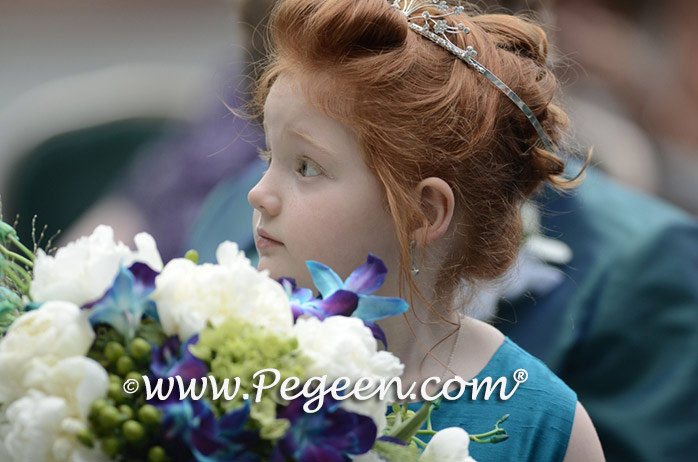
x,y
309,168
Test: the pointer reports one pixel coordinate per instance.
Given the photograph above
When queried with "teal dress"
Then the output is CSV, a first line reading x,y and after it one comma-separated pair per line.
x,y
541,411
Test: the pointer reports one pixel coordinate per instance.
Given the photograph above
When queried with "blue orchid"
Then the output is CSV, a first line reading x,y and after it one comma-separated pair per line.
x,y
126,302
191,432
346,298
363,281
329,435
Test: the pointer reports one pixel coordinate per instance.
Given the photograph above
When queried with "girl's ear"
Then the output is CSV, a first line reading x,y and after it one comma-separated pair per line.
x,y
438,203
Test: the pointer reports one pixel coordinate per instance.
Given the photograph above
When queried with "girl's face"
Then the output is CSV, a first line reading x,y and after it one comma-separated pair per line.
x,y
318,198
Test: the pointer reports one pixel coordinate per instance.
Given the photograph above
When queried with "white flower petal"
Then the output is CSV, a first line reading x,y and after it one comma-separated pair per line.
x,y
448,445
55,331
83,270
189,295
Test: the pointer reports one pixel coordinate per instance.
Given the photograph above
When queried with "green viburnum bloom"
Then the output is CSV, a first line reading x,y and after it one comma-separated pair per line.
x,y
236,349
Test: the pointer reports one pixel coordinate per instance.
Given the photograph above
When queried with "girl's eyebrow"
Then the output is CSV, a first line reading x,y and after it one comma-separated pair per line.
x,y
310,140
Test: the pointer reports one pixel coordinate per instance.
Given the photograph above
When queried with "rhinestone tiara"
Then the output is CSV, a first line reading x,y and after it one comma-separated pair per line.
x,y
435,29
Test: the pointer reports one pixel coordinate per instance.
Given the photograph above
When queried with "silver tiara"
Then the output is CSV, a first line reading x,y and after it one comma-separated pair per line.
x,y
435,29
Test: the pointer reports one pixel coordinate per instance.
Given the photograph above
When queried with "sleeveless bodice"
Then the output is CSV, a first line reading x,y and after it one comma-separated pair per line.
x,y
541,410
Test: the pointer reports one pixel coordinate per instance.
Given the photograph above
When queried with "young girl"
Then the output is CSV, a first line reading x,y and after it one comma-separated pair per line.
x,y
385,139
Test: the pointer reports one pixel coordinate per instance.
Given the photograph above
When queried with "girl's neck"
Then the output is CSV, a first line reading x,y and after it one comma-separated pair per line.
x,y
461,347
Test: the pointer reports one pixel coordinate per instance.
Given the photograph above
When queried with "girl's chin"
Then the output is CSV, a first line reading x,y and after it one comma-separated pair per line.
x,y
275,272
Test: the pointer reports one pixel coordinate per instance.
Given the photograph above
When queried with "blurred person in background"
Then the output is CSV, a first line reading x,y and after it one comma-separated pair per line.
x,y
640,76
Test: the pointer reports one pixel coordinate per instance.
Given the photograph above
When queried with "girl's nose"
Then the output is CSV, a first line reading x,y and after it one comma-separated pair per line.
x,y
263,198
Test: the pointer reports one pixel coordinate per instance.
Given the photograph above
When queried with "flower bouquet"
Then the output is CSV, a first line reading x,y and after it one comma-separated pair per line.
x,y
107,354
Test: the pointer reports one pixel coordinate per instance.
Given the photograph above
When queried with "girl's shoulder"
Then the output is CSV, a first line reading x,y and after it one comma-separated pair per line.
x,y
541,408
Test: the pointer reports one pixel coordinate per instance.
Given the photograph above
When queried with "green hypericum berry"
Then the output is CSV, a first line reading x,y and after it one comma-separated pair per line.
x,y
149,415
124,365
113,378
193,256
113,351
134,376
157,454
97,406
85,437
133,431
110,446
109,417
126,411
140,349
115,392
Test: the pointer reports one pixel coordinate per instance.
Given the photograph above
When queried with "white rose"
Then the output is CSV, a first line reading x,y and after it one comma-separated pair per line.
x,y
342,346
42,428
82,271
55,331
448,445
189,295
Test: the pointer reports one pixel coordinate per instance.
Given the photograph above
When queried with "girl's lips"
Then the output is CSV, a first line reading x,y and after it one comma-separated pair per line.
x,y
265,243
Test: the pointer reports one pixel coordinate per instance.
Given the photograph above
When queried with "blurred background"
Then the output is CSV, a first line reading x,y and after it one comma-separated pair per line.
x,y
113,111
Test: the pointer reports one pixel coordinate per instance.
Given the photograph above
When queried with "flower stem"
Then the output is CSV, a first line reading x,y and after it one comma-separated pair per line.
x,y
14,256
419,442
21,247
17,280
18,275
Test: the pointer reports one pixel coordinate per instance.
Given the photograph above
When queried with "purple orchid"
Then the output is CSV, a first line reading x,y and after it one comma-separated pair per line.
x,y
342,302
126,302
329,435
173,358
191,432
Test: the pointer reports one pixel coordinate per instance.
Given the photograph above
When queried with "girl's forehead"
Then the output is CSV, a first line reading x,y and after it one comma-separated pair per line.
x,y
288,111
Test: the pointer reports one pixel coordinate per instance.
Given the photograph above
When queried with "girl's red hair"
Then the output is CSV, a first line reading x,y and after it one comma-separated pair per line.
x,y
419,112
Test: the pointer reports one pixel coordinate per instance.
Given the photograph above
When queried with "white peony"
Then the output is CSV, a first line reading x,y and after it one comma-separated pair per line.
x,y
55,331
189,295
41,428
78,380
341,346
82,271
448,445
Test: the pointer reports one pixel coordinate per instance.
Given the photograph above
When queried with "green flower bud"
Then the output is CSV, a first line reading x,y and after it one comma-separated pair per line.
x,y
109,417
140,349
113,351
149,415
157,454
498,438
110,446
133,431
124,365
85,437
